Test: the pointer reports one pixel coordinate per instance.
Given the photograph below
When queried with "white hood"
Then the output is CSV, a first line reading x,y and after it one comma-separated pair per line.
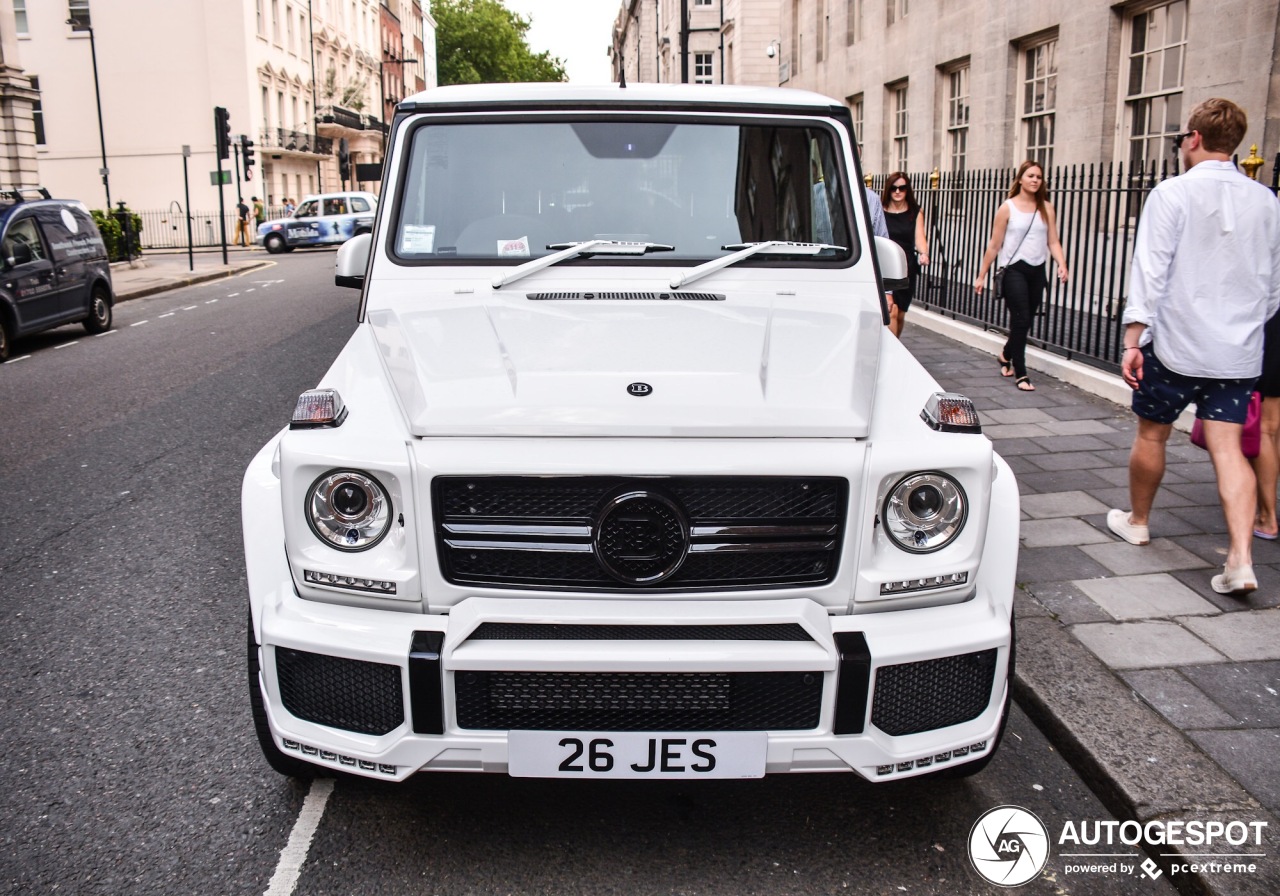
x,y
757,364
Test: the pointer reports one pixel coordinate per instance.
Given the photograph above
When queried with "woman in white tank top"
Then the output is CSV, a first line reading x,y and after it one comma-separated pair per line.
x,y
1024,236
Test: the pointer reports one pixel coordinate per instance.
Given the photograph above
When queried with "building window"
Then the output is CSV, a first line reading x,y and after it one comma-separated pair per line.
x,y
1153,99
261,24
1039,100
702,71
701,2
78,10
857,107
853,29
901,126
20,17
897,10
37,112
275,21
957,117
824,26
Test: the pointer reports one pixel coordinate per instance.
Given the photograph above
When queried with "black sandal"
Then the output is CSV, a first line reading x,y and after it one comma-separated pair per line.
x,y
1024,384
1006,367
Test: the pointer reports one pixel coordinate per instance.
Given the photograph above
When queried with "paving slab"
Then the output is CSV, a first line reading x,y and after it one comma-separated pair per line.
x,y
1067,603
1058,532
1154,596
1124,559
1241,636
1249,755
1145,645
1061,504
1248,692
1170,693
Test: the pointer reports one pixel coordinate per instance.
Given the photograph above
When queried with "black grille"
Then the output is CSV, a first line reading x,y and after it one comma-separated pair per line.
x,y
547,532
625,701
914,697
349,694
521,631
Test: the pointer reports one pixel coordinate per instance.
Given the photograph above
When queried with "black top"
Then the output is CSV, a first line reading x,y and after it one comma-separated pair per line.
x,y
902,230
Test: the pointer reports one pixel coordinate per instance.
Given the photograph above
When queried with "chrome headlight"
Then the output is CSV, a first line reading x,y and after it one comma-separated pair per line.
x,y
924,512
348,510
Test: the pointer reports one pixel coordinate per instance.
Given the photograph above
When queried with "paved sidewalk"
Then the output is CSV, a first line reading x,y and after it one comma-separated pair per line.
x,y
1164,693
160,271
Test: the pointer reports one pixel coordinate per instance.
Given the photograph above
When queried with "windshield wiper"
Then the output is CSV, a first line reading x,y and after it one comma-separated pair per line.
x,y
746,250
573,250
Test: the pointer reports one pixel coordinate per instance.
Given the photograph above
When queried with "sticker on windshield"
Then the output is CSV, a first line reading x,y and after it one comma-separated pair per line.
x,y
418,239
511,248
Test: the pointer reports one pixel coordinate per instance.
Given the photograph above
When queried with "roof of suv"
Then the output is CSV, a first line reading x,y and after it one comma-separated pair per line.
x,y
672,95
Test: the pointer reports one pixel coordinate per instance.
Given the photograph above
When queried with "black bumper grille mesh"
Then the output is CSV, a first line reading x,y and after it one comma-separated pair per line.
x,y
349,694
624,701
914,697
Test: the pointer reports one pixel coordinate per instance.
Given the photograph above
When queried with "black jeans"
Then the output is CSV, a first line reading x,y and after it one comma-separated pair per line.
x,y
1024,286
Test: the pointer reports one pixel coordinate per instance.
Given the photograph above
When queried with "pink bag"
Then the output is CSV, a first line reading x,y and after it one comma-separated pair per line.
x,y
1250,439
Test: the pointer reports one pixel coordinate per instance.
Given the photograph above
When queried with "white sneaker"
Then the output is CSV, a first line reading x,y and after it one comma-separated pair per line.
x,y
1118,522
1240,580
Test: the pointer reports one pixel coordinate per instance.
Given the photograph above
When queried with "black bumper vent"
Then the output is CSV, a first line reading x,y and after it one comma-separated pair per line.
x,y
349,694
914,697
586,533
521,631
625,701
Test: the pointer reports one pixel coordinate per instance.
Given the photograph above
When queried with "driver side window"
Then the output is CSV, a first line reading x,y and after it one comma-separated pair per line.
x,y
307,210
22,243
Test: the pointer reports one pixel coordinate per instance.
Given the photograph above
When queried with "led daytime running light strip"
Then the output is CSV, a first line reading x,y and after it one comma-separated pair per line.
x,y
926,761
925,584
350,583
330,756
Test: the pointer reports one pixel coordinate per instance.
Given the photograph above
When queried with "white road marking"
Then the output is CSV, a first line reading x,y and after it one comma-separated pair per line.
x,y
17,359
232,295
250,289
107,333
65,344
188,307
211,301
140,323
294,854
170,314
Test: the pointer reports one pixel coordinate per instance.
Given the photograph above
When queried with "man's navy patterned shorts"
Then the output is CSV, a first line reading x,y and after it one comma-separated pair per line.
x,y
1162,394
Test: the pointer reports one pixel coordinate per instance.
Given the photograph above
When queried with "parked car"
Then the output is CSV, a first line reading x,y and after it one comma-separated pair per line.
x,y
53,267
622,473
323,220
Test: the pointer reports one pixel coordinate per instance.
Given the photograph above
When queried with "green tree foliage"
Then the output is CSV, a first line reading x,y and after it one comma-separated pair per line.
x,y
481,41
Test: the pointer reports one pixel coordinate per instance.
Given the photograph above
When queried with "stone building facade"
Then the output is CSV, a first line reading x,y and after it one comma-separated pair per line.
x,y
958,84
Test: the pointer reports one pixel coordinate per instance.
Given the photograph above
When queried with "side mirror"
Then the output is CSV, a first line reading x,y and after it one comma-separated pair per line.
x,y
353,260
893,264
19,253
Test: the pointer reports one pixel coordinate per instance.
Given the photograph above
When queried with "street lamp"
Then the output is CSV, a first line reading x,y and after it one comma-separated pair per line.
x,y
78,25
382,85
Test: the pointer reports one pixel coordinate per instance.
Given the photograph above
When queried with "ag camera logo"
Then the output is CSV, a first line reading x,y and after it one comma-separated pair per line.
x,y
1008,846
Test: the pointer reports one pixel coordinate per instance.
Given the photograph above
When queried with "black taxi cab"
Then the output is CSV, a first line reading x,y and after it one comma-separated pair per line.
x,y
54,268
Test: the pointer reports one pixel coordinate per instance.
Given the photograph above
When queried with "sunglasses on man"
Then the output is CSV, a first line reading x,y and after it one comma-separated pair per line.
x,y
1178,138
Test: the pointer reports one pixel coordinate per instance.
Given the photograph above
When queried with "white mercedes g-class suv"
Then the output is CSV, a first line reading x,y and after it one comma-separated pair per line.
x,y
621,473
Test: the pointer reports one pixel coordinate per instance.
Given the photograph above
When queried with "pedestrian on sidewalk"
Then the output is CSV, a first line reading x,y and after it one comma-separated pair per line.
x,y
1023,237
1266,466
242,223
905,224
259,212
1205,280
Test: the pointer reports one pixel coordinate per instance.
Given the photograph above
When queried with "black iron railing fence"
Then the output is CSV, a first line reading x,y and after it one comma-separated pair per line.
x,y
168,229
1098,208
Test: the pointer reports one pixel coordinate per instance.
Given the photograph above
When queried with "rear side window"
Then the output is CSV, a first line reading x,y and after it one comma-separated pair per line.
x,y
336,206
358,204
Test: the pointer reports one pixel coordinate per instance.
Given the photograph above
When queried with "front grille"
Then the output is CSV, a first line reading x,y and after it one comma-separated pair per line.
x,y
638,701
639,534
914,697
349,694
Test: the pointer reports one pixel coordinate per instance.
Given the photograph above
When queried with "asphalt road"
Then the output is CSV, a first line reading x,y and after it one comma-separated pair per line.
x,y
130,764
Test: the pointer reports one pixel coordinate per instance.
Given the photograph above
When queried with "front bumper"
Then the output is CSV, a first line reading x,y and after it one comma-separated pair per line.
x,y
380,693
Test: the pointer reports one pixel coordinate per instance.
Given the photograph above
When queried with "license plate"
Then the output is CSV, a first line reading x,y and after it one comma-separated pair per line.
x,y
632,754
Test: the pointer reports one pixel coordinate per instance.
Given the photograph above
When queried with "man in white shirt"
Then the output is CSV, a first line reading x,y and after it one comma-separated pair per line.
x,y
1205,280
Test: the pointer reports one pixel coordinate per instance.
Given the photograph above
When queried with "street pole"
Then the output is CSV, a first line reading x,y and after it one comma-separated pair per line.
x,y
186,188
77,25
235,148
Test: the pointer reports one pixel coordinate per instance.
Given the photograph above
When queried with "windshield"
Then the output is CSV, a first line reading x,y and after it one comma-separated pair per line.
x,y
507,191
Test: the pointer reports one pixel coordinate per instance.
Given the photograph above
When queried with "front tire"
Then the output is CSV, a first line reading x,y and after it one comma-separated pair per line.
x,y
6,340
99,319
278,760
275,244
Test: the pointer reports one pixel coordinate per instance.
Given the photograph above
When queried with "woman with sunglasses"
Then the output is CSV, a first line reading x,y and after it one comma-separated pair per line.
x,y
1024,235
906,228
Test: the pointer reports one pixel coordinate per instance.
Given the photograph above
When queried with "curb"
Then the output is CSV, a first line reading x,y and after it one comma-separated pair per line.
x,y
178,281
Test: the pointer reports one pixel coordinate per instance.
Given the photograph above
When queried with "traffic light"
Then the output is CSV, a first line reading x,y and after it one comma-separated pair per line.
x,y
222,131
246,153
344,160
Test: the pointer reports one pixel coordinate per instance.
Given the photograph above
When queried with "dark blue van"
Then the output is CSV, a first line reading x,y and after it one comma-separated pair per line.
x,y
53,268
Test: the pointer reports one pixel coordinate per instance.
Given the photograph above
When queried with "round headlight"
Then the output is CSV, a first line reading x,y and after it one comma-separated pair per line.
x,y
348,510
925,512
